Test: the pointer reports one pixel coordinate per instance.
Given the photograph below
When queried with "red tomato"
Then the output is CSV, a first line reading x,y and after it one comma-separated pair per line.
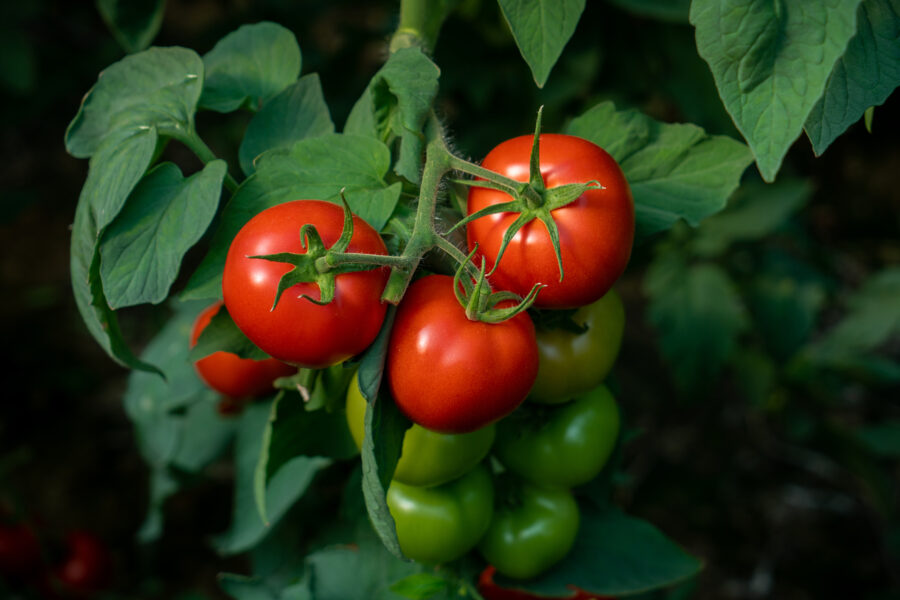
x,y
596,231
232,375
20,551
453,375
492,591
86,567
298,331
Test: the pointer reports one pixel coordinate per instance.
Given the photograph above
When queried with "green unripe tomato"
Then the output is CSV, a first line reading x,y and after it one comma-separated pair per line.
x,y
561,445
427,457
572,363
533,528
441,523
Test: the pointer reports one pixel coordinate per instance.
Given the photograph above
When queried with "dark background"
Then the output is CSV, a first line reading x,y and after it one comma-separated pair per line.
x,y
773,518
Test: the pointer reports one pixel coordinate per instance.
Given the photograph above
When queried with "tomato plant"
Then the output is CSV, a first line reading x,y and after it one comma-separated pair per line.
x,y
86,566
491,591
571,362
298,330
427,457
450,374
532,529
231,375
596,230
562,445
439,524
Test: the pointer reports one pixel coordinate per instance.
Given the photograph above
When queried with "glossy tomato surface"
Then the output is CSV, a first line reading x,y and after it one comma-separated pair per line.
x,y
452,375
491,591
440,524
299,331
596,231
572,363
427,457
232,375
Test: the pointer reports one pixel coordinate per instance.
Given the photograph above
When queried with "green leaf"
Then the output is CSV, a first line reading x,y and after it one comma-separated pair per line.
x,y
771,60
785,311
420,586
296,113
314,168
133,24
396,105
541,29
163,485
293,431
614,555
882,439
676,171
250,66
242,587
114,171
755,211
141,251
675,11
291,481
158,88
863,77
698,314
221,334
205,435
373,569
371,366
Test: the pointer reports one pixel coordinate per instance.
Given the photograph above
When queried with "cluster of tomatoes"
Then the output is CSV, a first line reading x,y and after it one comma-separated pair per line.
x,y
76,567
462,380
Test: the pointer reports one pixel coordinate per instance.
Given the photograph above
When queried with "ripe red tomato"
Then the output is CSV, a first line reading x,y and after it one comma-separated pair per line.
x,y
20,551
596,231
232,375
452,375
86,567
298,331
492,591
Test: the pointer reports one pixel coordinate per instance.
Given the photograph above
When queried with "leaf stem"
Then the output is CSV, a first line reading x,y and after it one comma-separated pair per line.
x,y
196,145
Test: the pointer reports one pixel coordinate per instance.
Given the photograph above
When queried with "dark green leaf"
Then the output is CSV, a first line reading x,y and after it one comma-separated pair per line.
x,y
615,555
241,587
296,113
863,77
675,11
698,314
785,311
221,334
371,367
314,168
420,586
759,51
396,104
291,481
205,435
250,66
541,29
158,88
373,569
134,24
676,171
882,439
141,251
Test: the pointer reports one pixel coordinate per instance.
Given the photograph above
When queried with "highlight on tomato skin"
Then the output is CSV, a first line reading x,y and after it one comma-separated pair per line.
x,y
231,375
491,591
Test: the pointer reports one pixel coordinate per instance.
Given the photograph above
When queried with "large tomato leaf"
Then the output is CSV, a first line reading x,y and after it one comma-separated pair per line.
x,y
396,105
133,24
314,168
771,61
676,171
296,113
864,76
374,571
166,214
542,29
614,555
250,66
221,334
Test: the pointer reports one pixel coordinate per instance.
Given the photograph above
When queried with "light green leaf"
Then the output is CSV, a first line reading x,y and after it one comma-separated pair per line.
x,y
250,66
162,486
863,77
158,88
297,112
373,568
134,24
541,29
141,251
675,171
420,586
771,60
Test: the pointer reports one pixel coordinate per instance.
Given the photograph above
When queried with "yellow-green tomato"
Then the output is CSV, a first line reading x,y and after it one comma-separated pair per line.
x,y
441,523
533,529
560,445
427,457
572,363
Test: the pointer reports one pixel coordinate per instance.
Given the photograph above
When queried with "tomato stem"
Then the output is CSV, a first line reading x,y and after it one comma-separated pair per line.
x,y
196,145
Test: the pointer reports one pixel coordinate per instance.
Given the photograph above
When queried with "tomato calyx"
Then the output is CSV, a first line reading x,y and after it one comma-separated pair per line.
x,y
483,304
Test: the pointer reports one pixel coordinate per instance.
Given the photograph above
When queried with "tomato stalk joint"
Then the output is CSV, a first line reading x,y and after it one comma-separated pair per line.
x,y
481,303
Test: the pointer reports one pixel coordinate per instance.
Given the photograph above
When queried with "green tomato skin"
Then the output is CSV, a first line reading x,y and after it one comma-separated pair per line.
x,y
561,445
573,363
439,524
533,533
427,457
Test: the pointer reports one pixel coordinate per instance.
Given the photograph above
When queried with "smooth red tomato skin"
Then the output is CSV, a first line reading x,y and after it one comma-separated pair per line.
x,y
492,591
596,231
232,375
87,566
452,375
20,551
299,331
